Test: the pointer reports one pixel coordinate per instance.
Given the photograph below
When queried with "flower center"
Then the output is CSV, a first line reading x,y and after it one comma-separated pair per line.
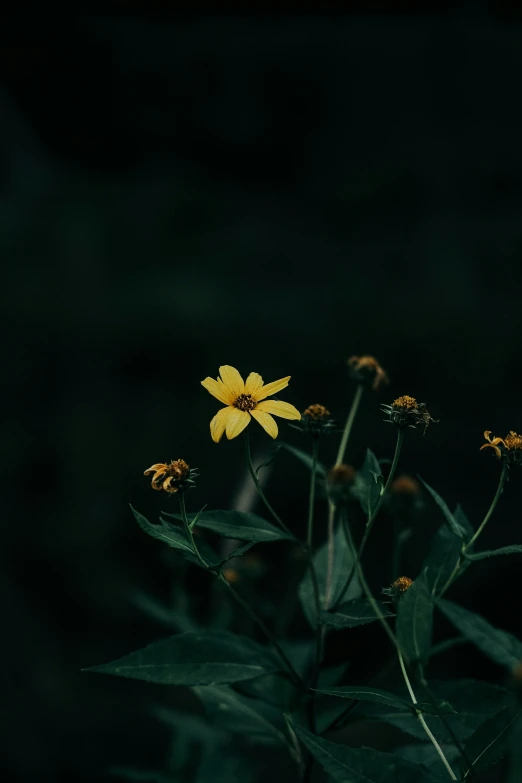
x,y
245,402
405,402
513,441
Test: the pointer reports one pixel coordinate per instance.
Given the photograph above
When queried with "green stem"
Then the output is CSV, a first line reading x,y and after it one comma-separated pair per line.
x,y
315,584
261,624
420,718
188,531
332,508
258,485
349,424
459,567
373,516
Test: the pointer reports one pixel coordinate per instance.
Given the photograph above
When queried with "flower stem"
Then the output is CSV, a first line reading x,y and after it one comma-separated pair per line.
x,y
259,622
373,516
330,553
459,567
258,485
315,584
188,531
349,423
420,718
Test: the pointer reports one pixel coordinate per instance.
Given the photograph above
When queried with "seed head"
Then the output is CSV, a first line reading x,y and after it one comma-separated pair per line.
x,y
407,412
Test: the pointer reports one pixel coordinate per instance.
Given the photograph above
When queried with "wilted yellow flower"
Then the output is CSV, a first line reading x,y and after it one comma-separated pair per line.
x,y
172,477
245,399
511,447
367,370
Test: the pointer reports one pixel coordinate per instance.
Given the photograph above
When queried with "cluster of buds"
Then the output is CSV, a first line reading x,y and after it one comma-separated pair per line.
x,y
367,371
316,420
508,449
407,412
172,477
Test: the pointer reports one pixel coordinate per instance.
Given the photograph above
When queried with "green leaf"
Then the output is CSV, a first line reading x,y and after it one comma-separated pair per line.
x,y
445,550
238,524
236,553
353,613
513,549
363,693
305,458
463,521
202,658
195,519
424,753
414,621
242,715
456,528
165,532
342,565
368,483
500,646
490,741
362,765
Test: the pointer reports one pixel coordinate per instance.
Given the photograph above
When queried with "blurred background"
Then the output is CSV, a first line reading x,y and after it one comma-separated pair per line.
x,y
277,193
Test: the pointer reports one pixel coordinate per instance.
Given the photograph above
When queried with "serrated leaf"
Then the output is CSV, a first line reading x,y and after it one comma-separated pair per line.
x,y
362,765
342,565
305,458
500,646
243,715
363,693
238,524
353,613
368,483
165,532
456,528
490,741
415,620
513,549
201,658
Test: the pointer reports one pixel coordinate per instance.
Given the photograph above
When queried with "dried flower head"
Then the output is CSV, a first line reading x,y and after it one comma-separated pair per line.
x,y
316,420
407,412
368,371
508,449
397,588
405,486
174,476
245,399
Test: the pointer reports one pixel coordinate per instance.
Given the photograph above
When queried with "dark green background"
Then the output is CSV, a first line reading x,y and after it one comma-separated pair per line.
x,y
272,192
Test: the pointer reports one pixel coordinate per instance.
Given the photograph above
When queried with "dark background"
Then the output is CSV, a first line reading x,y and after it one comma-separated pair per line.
x,y
272,192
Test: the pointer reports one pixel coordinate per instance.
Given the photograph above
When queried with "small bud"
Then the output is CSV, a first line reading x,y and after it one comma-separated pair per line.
x,y
397,588
405,486
340,480
316,420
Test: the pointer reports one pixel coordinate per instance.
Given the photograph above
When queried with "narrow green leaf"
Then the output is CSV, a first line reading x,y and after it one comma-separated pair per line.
x,y
424,753
500,646
368,483
201,658
342,565
463,521
513,549
195,519
363,765
456,528
353,613
363,693
414,621
305,458
238,524
165,532
237,552
490,741
444,552
243,715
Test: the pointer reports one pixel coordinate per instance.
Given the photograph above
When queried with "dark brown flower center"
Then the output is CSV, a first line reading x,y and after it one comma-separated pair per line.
x,y
245,402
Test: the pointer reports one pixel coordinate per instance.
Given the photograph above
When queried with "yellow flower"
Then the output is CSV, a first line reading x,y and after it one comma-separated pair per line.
x,y
245,399
172,477
402,584
512,447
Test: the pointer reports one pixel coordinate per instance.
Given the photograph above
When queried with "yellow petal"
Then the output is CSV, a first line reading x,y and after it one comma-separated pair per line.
x,y
266,421
277,408
232,380
236,422
271,388
218,390
253,383
218,423
154,468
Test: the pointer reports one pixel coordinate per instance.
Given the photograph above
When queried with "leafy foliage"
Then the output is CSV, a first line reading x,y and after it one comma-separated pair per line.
x,y
414,621
238,524
354,613
368,483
